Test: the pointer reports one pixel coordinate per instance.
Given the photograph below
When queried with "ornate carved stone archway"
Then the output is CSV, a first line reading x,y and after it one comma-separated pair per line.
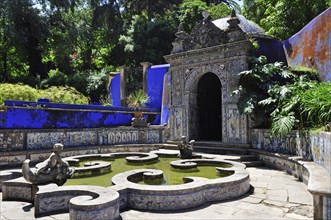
x,y
207,50
190,94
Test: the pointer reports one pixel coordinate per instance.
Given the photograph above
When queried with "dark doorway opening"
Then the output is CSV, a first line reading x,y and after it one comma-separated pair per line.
x,y
210,108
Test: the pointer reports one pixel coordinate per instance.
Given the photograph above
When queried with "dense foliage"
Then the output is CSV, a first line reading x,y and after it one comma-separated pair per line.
x,y
46,43
282,98
17,92
283,18
60,94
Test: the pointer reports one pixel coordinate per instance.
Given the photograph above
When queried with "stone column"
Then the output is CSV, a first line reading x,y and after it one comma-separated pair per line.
x,y
145,76
111,75
123,85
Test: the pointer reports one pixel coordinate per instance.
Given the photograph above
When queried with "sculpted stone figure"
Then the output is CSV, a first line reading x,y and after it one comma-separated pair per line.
x,y
52,170
185,148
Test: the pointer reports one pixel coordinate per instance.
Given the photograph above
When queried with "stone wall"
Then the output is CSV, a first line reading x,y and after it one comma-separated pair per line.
x,y
321,149
36,145
32,139
310,146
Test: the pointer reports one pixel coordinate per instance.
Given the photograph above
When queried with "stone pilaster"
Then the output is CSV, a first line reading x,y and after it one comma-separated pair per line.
x,y
123,85
145,66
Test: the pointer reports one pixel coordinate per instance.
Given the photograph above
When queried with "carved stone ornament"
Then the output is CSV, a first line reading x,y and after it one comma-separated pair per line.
x,y
52,170
185,148
205,34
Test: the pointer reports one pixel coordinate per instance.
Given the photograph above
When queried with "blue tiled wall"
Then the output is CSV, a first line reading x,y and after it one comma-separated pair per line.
x,y
26,115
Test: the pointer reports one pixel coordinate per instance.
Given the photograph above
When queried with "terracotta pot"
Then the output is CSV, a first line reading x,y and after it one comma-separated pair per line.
x,y
138,114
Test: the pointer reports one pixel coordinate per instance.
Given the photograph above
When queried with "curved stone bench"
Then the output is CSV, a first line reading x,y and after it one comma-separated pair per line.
x,y
82,202
316,177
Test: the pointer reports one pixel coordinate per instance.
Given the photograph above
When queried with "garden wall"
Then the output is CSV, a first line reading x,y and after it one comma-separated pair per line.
x,y
45,115
36,144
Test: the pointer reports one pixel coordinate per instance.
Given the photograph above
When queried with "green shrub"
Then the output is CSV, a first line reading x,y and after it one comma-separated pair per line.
x,y
97,84
316,104
283,98
66,95
55,78
17,92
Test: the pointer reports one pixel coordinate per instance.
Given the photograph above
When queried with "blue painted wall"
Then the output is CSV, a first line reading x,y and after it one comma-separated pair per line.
x,y
271,48
115,89
29,115
155,76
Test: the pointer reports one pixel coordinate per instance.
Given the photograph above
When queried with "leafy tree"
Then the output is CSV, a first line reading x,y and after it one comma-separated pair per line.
x,y
230,3
26,23
190,12
149,8
55,78
283,18
19,43
97,85
147,40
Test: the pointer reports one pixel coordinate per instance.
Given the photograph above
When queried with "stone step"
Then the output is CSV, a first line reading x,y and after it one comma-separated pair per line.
x,y
258,163
221,144
220,150
249,157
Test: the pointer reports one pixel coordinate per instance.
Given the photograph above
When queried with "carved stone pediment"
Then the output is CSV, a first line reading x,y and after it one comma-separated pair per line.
x,y
205,34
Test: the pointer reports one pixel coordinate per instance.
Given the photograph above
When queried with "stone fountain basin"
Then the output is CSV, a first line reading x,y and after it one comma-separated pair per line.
x,y
89,202
194,192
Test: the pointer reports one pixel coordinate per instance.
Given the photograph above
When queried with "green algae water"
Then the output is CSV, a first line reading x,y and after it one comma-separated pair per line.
x,y
171,176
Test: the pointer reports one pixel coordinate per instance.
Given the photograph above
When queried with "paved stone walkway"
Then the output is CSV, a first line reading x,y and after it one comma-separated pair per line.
x,y
275,195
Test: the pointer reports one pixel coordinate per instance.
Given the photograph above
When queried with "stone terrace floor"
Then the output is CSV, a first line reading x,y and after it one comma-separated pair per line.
x,y
276,195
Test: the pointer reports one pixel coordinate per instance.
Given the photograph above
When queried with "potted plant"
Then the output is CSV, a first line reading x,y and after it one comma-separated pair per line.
x,y
136,100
